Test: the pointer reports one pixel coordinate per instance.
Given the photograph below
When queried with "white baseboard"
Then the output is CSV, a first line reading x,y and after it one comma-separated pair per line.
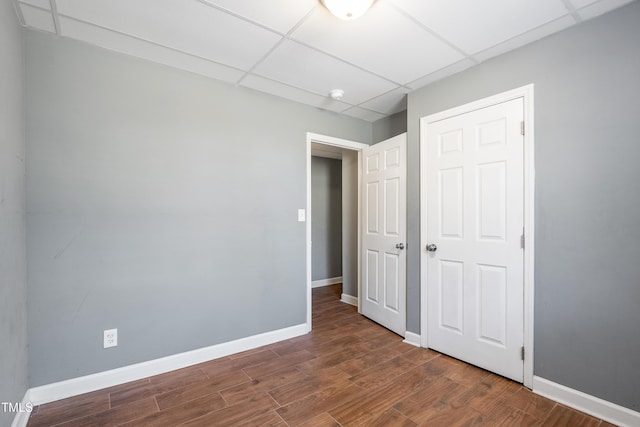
x,y
326,282
22,418
616,414
411,338
75,386
349,299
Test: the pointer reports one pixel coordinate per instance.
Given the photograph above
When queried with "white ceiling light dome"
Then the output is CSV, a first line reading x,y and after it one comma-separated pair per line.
x,y
348,9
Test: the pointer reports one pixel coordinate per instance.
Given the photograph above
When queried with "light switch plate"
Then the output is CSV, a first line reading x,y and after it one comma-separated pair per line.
x,y
302,215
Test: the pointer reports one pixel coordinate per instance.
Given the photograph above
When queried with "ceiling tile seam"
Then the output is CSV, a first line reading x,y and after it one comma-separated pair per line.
x,y
572,10
344,61
33,6
16,7
243,18
270,51
260,61
376,97
433,33
349,105
362,108
147,41
521,34
54,15
439,70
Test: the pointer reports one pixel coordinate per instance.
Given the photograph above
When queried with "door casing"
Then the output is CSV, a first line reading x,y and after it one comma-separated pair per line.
x,y
349,145
525,92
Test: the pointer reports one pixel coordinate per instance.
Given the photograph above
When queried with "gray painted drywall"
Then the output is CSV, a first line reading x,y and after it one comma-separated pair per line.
x,y
161,203
326,218
389,126
13,268
587,213
350,222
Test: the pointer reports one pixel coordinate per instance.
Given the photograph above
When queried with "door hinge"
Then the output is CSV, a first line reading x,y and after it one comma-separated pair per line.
x,y
522,241
522,352
522,128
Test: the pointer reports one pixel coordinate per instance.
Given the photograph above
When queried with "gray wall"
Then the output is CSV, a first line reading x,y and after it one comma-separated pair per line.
x,y
587,216
350,222
160,203
13,270
326,218
390,126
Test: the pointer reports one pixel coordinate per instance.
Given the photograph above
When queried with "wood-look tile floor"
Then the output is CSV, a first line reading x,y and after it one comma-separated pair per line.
x,y
348,372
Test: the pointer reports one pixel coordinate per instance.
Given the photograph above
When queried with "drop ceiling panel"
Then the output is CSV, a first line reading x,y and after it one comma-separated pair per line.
x,y
388,103
279,15
373,42
190,26
601,7
442,73
141,49
316,72
361,113
531,36
474,26
296,50
37,18
294,94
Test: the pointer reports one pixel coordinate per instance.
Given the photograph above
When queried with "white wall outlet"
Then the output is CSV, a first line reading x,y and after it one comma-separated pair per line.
x,y
110,338
302,215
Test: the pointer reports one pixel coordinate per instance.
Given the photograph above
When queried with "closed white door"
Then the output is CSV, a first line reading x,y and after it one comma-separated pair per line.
x,y
384,258
475,218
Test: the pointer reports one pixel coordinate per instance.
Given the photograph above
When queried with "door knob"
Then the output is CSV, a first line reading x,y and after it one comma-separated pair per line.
x,y
400,246
432,248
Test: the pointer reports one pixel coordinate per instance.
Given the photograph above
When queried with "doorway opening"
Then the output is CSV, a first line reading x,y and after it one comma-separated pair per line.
x,y
349,152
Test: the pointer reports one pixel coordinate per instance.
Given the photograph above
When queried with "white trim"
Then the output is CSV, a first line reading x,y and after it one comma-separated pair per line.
x,y
411,338
616,414
525,92
22,418
75,386
326,282
349,299
336,142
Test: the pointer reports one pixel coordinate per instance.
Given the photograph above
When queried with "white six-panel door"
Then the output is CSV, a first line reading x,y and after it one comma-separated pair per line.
x,y
384,258
475,198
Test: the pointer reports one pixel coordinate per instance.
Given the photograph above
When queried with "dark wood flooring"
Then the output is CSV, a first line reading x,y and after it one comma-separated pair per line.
x,y
348,372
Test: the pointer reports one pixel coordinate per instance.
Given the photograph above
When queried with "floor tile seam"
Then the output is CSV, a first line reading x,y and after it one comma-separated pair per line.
x,y
398,374
168,377
526,411
266,391
544,420
76,403
339,382
190,400
257,363
75,419
317,391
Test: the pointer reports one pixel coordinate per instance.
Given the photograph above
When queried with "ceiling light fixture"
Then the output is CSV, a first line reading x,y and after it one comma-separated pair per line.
x,y
348,9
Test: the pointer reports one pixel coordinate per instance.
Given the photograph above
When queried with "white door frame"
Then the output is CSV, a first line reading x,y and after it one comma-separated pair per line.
x,y
525,92
349,145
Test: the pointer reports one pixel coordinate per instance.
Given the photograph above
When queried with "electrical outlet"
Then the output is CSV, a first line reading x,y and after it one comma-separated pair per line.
x,y
110,338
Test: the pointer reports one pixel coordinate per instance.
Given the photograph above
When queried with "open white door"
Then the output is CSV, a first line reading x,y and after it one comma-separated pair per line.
x,y
474,224
384,234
